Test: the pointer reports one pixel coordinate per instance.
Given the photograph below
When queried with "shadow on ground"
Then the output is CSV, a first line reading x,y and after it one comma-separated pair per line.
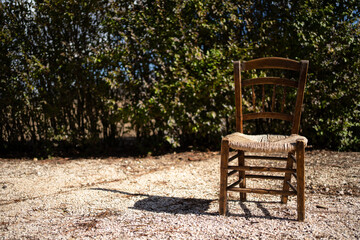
x,y
176,205
172,205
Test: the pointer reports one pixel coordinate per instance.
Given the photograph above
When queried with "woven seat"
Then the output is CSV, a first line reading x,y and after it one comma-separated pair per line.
x,y
265,107
263,143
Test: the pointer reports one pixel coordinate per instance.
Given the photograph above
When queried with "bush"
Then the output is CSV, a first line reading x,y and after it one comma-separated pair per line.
x,y
84,73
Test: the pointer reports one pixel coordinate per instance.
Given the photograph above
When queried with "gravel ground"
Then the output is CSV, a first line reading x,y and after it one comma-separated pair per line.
x,y
173,196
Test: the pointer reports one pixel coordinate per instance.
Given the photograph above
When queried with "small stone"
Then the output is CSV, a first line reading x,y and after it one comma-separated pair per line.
x,y
4,187
35,159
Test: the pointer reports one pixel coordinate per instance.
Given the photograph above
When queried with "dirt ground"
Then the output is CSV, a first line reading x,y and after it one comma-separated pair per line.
x,y
174,196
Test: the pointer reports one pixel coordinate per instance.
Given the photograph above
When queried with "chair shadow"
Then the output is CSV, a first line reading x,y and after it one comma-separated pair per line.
x,y
198,206
259,204
162,204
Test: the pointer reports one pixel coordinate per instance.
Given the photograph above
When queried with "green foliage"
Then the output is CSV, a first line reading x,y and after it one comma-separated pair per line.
x,y
75,73
179,80
327,34
53,88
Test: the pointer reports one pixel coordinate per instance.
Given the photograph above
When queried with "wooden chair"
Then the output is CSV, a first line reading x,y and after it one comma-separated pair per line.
x,y
292,145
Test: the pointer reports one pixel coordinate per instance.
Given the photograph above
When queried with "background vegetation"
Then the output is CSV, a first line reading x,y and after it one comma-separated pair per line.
x,y
80,74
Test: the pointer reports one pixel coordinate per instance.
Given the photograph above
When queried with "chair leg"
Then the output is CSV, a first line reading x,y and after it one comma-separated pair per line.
x,y
242,179
289,165
223,176
300,173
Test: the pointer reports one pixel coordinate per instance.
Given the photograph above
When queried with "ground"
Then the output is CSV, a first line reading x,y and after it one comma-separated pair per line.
x,y
174,196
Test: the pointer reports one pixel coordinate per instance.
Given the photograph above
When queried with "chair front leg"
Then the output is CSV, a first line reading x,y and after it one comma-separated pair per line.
x,y
300,174
223,176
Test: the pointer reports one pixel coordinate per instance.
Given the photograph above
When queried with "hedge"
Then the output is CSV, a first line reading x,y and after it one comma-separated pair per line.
x,y
87,73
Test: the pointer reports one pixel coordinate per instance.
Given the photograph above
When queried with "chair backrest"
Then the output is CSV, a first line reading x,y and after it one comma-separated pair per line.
x,y
299,67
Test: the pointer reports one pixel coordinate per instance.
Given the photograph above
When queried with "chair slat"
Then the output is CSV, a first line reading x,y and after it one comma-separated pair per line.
x,y
273,99
232,172
292,158
233,157
263,98
292,186
253,96
262,169
261,190
266,158
234,184
283,100
264,176
271,62
274,115
270,80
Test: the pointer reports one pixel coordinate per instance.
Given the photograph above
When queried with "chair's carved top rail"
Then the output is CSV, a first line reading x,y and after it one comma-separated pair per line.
x,y
271,62
270,80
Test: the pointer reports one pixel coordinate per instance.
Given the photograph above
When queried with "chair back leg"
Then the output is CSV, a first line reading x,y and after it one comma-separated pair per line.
x,y
287,179
242,179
